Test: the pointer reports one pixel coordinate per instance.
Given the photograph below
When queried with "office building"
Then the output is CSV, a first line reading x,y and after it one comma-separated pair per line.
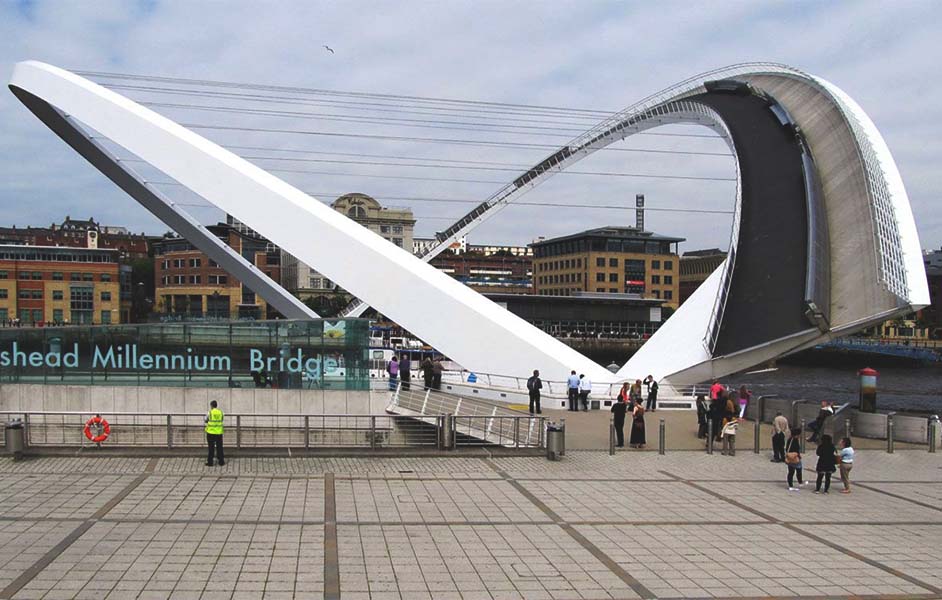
x,y
57,285
189,285
615,260
695,267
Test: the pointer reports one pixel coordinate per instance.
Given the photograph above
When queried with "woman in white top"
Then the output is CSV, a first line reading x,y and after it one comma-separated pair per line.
x,y
847,463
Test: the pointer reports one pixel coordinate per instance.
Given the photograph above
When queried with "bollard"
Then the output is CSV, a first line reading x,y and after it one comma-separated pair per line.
x,y
758,433
847,428
801,438
889,434
661,437
562,424
709,446
169,431
933,432
611,437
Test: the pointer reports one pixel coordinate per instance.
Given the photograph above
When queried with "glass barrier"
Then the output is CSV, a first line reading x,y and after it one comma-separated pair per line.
x,y
318,354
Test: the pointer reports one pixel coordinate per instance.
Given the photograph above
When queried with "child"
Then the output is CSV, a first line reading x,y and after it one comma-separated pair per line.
x,y
847,463
729,437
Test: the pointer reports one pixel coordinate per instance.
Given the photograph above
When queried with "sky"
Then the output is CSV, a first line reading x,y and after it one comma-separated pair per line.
x,y
587,55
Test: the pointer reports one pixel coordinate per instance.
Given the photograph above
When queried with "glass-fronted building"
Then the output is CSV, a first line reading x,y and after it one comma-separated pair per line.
x,y
314,354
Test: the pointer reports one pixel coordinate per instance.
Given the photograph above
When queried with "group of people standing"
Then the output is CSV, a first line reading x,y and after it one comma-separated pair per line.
x,y
579,388
724,410
628,401
402,369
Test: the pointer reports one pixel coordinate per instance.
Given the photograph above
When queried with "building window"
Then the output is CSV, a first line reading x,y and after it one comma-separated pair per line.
x,y
106,296
600,262
613,290
655,264
384,228
196,279
397,241
57,277
106,277
23,295
57,315
600,276
88,277
81,303
356,212
178,263
397,229
656,279
668,280
600,289
4,293
57,295
613,262
668,265
668,295
106,317
4,275
166,264
218,279
195,262
613,277
75,277
24,275
656,293
578,263
213,263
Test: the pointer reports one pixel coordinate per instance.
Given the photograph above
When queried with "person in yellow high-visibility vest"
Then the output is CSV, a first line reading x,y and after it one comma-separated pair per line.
x,y
214,434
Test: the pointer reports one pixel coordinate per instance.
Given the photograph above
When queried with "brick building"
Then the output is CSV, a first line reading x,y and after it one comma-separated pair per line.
x,y
498,273
80,234
695,267
188,284
613,260
57,285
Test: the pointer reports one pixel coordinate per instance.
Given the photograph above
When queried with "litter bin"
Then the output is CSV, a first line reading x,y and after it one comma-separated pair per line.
x,y
555,441
13,437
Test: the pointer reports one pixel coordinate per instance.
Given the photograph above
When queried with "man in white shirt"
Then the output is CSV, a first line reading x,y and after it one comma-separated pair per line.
x,y
573,384
585,388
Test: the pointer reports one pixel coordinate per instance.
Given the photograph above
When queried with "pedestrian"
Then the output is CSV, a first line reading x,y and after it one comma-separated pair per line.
x,y
437,370
717,407
392,367
427,368
703,412
715,389
793,459
744,397
585,388
817,426
847,463
405,372
620,409
534,385
652,392
573,388
729,437
635,392
827,459
213,422
637,439
779,434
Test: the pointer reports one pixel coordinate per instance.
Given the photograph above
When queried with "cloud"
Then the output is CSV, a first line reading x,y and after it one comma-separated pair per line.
x,y
600,55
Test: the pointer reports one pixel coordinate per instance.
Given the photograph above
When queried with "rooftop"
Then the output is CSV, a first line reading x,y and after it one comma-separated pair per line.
x,y
620,233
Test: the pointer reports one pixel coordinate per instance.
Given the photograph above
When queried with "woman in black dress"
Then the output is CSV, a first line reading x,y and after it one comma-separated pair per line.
x,y
827,463
637,427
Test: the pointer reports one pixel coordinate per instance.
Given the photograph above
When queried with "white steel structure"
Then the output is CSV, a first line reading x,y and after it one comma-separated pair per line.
x,y
847,231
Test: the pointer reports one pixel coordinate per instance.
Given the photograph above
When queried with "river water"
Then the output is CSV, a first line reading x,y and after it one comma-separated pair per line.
x,y
917,388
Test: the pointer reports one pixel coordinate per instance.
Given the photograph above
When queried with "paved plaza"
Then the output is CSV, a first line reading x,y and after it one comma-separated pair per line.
x,y
467,527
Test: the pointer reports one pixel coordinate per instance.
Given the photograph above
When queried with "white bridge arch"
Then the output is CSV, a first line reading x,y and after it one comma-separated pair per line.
x,y
854,254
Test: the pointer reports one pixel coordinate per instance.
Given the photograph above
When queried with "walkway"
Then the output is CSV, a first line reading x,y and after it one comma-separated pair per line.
x,y
589,527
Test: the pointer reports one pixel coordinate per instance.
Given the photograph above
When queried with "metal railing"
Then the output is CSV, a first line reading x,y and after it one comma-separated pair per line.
x,y
172,430
475,420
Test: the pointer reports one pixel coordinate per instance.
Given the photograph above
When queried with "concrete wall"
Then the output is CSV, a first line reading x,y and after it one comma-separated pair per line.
x,y
189,400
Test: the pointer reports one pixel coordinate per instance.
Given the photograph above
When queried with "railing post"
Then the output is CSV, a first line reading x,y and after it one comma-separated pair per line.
x,y
709,444
801,438
889,434
425,402
847,428
26,431
440,432
238,431
307,432
933,432
661,437
452,431
562,425
372,432
611,436
516,432
169,431
758,435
